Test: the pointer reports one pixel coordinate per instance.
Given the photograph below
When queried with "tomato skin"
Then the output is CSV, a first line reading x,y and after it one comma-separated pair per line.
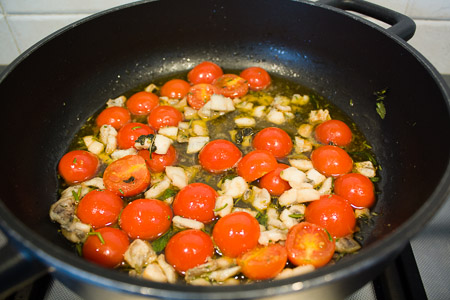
x,y
273,183
141,103
256,164
274,140
196,201
258,78
109,254
164,115
356,188
129,133
175,89
309,244
200,93
333,213
146,219
331,161
333,132
188,249
159,162
263,262
78,165
204,72
236,233
115,116
99,208
231,85
127,176
219,155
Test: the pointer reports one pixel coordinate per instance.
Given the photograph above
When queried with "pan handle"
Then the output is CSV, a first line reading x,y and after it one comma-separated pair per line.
x,y
402,26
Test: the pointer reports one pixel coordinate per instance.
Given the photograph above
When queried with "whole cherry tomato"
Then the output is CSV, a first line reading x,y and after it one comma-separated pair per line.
x,y
159,162
115,116
196,201
356,188
331,161
99,208
141,103
219,155
256,164
204,72
175,89
77,166
231,85
263,262
273,183
258,78
129,133
200,93
164,115
333,132
274,140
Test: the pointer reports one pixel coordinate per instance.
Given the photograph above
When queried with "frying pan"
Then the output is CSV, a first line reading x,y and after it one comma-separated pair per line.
x,y
51,90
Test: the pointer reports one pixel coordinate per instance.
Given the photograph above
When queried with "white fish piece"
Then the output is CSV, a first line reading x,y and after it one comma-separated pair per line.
x,y
327,186
167,269
190,113
302,145
315,177
196,143
305,130
276,117
108,136
319,116
365,168
151,88
224,205
178,176
301,164
259,111
119,153
272,236
235,187
76,231
307,195
222,275
288,197
154,272
286,214
221,103
96,182
245,122
247,210
294,176
273,220
157,189
93,145
300,270
139,254
162,144
183,223
169,131
261,198
119,101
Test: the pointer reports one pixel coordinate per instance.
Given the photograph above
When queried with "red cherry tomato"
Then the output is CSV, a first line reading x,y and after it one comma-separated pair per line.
x,y
146,219
115,116
159,162
263,262
204,72
129,133
219,155
188,249
309,244
99,208
110,253
333,213
127,176
196,201
273,183
356,188
331,161
236,233
333,132
274,140
175,89
231,85
142,103
256,164
164,115
258,78
200,93
77,166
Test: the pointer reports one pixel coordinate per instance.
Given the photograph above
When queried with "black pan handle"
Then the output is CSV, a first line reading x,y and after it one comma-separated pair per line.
x,y
401,25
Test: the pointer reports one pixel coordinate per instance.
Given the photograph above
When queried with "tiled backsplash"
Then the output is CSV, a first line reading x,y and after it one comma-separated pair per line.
x,y
25,22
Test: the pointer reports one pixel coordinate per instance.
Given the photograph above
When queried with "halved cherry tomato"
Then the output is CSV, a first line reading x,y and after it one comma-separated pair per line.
x,y
115,116
333,132
129,133
274,140
175,89
219,155
356,188
263,262
159,162
142,103
331,161
273,183
333,213
99,208
196,201
146,219
127,176
256,164
164,115
200,93
257,78
188,249
236,233
231,85
309,244
204,72
110,253
78,165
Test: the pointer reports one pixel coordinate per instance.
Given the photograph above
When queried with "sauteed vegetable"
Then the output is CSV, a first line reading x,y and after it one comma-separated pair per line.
x,y
218,179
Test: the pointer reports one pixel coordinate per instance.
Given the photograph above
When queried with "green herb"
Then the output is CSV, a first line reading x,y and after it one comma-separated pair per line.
x,y
161,243
220,208
380,97
74,160
296,216
99,235
120,190
76,195
374,179
167,194
79,248
351,102
129,180
364,155
242,133
329,235
262,219
381,110
136,127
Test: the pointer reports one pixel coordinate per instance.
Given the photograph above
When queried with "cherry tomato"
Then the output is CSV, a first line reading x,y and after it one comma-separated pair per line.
x,y
273,183
256,164
127,176
188,249
146,219
258,78
333,132
110,253
200,93
129,133
99,208
331,161
356,188
142,103
196,201
309,244
159,162
231,85
333,213
115,116
164,115
77,166
175,89
219,155
204,72
236,233
263,262
274,140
